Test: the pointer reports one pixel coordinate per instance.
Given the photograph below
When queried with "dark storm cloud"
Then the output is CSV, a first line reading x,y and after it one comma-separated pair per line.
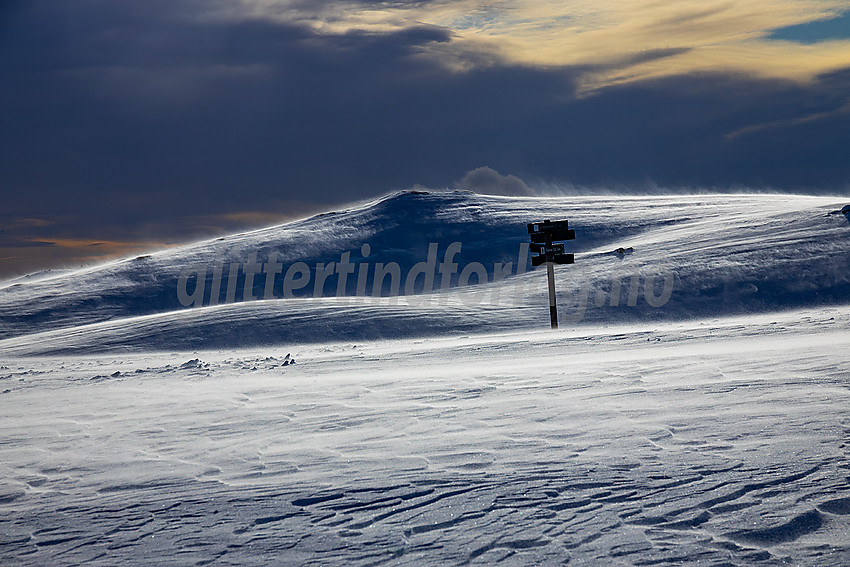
x,y
708,130
118,113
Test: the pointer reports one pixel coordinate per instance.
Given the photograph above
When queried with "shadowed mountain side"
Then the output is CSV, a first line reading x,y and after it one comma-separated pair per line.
x,y
683,256
268,323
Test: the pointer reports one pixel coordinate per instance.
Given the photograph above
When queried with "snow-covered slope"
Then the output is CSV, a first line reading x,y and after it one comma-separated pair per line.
x,y
692,409
718,255
690,443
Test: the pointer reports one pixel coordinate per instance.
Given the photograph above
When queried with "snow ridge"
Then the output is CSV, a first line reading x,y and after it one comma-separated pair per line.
x,y
713,255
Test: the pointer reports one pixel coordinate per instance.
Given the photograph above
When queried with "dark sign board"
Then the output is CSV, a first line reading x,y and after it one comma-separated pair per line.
x,y
548,225
556,259
547,248
552,235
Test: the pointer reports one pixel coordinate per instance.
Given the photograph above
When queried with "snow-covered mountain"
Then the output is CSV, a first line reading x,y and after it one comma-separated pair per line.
x,y
691,409
681,257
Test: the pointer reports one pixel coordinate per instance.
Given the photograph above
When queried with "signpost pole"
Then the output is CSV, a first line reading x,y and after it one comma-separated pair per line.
x,y
553,309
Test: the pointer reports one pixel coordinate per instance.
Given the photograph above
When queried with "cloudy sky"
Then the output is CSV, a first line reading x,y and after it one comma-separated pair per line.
x,y
131,125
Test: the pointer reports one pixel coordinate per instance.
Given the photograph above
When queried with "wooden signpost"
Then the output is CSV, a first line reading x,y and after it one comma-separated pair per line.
x,y
547,244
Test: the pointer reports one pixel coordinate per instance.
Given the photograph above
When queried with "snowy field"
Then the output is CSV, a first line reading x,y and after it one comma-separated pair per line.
x,y
456,429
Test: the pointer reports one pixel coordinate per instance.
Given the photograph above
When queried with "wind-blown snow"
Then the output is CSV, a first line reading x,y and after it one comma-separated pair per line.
x,y
712,429
724,255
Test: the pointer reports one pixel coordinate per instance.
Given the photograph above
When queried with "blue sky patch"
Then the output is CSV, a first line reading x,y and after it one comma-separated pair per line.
x,y
814,32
